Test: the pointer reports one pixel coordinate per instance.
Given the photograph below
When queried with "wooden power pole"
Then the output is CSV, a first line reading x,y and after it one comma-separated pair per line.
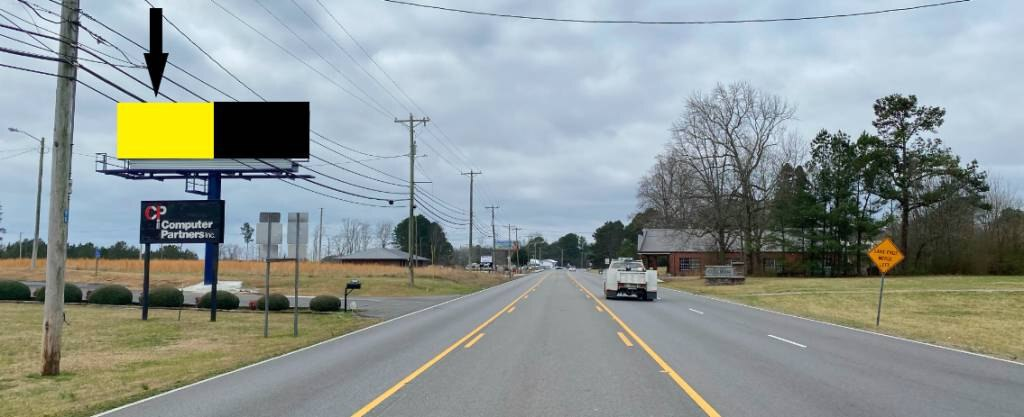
x,y
412,123
471,174
494,241
60,183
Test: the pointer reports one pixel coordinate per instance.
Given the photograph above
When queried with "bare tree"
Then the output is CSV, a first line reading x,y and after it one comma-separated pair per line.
x,y
720,169
383,233
729,136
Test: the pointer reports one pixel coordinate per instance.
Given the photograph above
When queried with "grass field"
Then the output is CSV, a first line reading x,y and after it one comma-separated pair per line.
x,y
982,314
314,278
110,357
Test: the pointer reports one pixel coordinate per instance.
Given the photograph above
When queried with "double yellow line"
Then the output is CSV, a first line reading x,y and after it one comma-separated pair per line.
x,y
391,391
692,393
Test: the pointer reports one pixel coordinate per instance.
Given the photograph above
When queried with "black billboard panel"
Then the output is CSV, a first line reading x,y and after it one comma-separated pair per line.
x,y
261,130
182,221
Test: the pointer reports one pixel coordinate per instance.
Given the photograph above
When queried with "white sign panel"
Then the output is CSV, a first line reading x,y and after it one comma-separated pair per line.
x,y
486,259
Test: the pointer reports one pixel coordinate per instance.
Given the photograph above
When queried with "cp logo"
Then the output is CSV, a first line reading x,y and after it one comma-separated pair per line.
x,y
154,212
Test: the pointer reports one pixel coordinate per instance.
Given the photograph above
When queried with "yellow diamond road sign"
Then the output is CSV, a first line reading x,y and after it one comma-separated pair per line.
x,y
885,255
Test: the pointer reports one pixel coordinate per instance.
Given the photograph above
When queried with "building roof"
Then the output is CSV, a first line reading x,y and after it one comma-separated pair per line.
x,y
378,254
653,241
663,241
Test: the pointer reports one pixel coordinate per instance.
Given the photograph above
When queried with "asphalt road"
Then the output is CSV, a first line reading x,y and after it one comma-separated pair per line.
x,y
543,346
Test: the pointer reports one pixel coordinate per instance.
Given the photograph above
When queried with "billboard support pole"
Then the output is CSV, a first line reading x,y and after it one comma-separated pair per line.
x,y
212,254
144,299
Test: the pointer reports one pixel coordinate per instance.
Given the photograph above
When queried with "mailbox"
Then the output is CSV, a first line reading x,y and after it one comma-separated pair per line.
x,y
351,286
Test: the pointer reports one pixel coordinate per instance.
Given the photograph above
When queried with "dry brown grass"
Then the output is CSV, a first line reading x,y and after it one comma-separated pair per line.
x,y
977,313
110,357
315,278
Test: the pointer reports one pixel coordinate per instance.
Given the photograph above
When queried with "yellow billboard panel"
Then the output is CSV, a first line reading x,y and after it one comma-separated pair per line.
x,y
165,131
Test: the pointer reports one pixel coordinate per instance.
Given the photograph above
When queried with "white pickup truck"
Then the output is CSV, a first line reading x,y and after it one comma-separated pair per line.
x,y
629,277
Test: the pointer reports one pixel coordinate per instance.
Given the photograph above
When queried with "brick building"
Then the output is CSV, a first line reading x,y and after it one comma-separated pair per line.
x,y
687,251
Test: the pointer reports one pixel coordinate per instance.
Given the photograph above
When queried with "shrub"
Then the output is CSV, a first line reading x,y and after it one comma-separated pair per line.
x,y
111,294
325,303
72,294
14,290
278,302
225,301
167,297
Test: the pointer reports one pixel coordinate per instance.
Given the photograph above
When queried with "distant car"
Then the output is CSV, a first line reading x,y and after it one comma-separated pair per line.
x,y
572,269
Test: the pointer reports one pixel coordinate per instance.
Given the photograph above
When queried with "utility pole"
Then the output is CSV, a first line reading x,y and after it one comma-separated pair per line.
x,y
517,229
471,175
39,192
412,123
319,238
19,246
583,249
508,255
60,182
494,241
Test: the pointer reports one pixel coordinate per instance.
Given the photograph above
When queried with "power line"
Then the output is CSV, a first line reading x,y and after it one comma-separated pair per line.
x,y
390,78
207,54
675,22
229,73
377,106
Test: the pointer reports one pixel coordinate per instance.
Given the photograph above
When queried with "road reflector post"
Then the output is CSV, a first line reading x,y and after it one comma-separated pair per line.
x,y
885,256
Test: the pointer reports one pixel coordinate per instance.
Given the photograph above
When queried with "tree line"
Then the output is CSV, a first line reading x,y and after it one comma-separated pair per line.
x,y
735,174
119,250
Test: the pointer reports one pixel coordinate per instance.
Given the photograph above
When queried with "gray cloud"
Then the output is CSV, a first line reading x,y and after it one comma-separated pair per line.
x,y
562,118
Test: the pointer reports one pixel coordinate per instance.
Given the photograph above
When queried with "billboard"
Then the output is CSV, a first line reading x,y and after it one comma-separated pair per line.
x,y
506,244
486,259
182,221
205,131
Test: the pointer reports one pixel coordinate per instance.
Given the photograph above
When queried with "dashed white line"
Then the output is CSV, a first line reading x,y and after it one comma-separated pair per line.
x,y
787,341
697,311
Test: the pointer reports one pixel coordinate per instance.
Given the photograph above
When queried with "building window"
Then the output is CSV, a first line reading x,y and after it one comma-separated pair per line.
x,y
771,265
689,264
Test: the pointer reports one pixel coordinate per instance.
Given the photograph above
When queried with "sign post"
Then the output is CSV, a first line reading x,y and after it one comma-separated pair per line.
x,y
886,256
96,272
179,221
298,232
268,234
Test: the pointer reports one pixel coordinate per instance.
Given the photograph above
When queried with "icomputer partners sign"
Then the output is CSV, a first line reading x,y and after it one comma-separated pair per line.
x,y
182,221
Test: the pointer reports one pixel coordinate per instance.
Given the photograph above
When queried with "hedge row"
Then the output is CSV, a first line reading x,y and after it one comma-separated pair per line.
x,y
158,297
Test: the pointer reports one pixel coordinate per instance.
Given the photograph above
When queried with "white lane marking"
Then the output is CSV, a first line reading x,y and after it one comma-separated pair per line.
x,y
980,355
302,349
696,311
787,341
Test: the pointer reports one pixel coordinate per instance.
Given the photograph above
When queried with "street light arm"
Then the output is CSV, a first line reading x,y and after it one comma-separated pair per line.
x,y
16,130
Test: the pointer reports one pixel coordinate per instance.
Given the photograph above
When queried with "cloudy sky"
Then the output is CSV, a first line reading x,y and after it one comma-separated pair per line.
x,y
563,119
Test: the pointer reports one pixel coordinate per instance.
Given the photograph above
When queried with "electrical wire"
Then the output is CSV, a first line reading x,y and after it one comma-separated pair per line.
x,y
675,22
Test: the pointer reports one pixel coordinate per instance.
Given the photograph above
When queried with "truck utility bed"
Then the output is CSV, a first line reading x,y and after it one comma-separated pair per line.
x,y
626,277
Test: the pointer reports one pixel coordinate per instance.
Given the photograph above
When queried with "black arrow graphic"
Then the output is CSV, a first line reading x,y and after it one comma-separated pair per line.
x,y
156,58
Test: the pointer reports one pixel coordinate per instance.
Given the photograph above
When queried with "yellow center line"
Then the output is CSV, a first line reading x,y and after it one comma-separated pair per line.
x,y
391,391
708,409
511,309
625,340
475,339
